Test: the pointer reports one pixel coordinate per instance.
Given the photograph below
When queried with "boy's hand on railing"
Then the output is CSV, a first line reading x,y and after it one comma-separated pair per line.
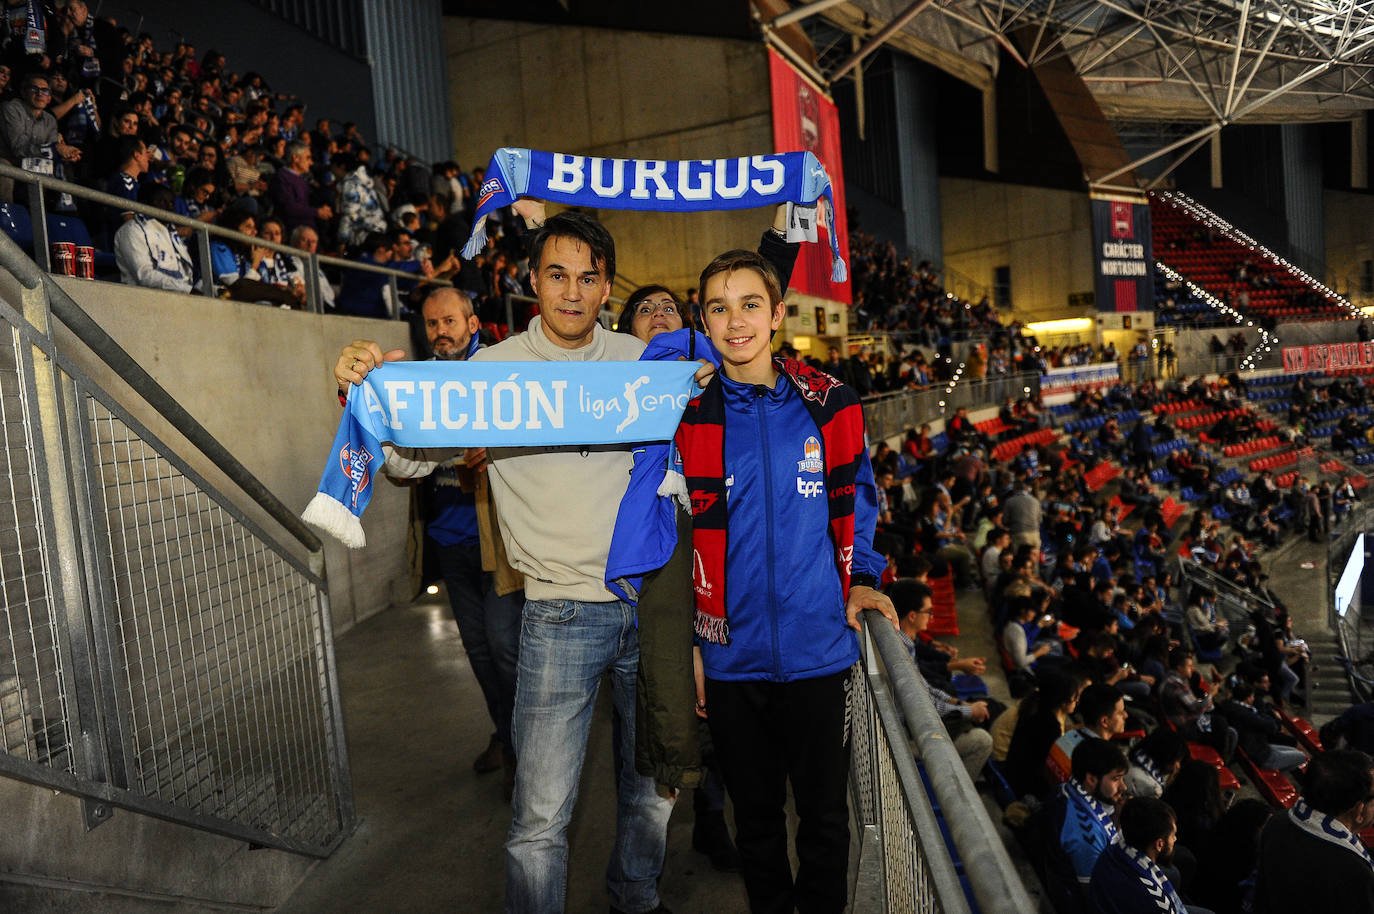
x,y
358,358
862,597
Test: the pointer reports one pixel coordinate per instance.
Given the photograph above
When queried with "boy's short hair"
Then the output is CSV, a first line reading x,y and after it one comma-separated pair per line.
x,y
731,261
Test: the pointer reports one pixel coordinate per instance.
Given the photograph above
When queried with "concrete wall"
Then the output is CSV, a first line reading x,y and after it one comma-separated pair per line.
x,y
131,863
259,379
1349,241
624,95
1044,235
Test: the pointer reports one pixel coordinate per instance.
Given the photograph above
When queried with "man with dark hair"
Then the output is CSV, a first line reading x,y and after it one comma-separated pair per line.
x,y
182,142
1354,729
1077,823
1102,708
364,293
558,507
911,599
1127,878
1191,715
149,253
1311,857
132,158
1256,730
28,129
484,594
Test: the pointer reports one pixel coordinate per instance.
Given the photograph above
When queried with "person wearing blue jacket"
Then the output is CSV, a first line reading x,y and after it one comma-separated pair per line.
x,y
783,513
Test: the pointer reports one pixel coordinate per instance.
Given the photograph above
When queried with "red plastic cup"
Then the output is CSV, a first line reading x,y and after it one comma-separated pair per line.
x,y
63,258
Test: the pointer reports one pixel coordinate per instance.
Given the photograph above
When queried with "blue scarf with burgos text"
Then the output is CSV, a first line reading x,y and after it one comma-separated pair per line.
x,y
693,185
460,404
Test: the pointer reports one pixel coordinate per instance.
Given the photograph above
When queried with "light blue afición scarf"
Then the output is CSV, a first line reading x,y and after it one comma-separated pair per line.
x,y
694,185
453,404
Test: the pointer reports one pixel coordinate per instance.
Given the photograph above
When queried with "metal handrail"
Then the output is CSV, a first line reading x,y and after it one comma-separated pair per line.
x,y
105,568
1196,572
13,259
203,230
996,886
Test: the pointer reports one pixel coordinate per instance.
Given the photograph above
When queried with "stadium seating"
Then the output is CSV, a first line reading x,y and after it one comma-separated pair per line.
x,y
1207,754
15,222
1211,258
1272,785
1304,731
1101,474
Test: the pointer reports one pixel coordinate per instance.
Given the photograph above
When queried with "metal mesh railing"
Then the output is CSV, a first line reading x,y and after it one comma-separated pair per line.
x,y
881,803
893,797
892,414
33,697
216,646
159,651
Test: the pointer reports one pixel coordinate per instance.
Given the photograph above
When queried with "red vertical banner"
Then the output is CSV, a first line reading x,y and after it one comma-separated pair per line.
x,y
804,120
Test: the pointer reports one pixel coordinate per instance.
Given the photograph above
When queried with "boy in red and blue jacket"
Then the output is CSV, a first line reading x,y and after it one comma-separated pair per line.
x,y
784,508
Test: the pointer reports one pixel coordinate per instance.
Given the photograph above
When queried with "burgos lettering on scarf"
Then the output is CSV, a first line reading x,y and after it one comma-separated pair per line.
x,y
490,404
693,185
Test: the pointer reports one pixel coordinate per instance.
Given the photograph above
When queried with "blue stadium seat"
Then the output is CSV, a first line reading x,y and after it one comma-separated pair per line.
x,y
14,222
69,228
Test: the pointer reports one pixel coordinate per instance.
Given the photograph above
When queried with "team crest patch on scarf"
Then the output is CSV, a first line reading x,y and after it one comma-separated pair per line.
x,y
453,404
693,185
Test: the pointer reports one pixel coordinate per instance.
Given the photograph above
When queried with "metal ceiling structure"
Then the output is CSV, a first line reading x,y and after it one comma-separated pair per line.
x,y
1206,62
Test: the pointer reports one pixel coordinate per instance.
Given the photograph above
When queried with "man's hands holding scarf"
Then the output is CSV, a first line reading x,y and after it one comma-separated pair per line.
x,y
357,359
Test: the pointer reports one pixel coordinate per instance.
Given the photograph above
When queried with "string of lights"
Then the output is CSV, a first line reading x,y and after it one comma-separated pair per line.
x,y
1213,221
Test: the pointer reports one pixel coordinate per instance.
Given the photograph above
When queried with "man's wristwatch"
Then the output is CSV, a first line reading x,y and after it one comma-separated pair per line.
x,y
863,580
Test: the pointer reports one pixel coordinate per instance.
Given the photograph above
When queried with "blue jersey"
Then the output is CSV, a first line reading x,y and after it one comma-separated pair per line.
x,y
783,594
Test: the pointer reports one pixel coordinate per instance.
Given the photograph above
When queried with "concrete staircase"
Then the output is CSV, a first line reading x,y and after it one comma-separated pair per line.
x,y
1330,687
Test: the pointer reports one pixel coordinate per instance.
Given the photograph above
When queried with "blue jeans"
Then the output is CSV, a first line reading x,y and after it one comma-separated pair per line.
x,y
1284,758
489,626
565,648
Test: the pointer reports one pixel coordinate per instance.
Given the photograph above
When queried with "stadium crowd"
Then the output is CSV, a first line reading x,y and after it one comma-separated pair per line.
x,y
1100,645
1110,763
85,99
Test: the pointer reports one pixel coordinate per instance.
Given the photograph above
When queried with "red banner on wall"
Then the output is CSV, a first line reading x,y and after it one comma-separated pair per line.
x,y
1328,357
804,120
